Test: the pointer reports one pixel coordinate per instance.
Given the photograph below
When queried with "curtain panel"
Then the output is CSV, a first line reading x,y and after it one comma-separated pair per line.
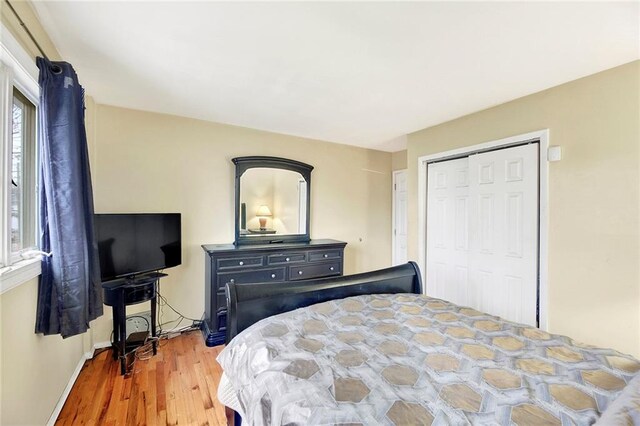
x,y
69,291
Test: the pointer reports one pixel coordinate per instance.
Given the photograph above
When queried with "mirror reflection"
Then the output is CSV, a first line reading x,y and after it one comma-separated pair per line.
x,y
272,202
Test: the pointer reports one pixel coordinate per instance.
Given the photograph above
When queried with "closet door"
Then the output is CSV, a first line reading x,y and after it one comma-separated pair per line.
x,y
482,232
448,230
503,262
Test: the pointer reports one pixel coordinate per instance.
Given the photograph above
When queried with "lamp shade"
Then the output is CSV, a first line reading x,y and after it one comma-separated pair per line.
x,y
263,211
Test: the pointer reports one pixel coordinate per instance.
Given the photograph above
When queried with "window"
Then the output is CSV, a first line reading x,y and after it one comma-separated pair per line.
x,y
22,218
18,180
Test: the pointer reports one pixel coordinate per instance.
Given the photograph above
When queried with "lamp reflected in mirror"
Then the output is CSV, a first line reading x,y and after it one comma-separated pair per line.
x,y
262,214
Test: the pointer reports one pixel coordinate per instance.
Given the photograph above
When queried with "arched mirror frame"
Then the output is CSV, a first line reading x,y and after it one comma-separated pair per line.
x,y
245,163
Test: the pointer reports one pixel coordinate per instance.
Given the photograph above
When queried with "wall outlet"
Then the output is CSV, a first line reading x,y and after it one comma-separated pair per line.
x,y
136,322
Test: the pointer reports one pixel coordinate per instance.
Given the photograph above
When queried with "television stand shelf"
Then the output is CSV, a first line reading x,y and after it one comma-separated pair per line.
x,y
123,292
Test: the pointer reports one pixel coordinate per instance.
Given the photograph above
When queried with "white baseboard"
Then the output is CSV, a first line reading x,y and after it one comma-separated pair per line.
x,y
96,346
72,380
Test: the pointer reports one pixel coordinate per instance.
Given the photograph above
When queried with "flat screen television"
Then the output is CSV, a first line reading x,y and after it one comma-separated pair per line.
x,y
135,243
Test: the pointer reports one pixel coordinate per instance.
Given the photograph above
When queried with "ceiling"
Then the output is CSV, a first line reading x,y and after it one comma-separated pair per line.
x,y
358,73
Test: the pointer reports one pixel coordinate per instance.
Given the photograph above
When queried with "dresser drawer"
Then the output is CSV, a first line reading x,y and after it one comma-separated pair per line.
x,y
240,262
261,276
319,270
324,255
281,259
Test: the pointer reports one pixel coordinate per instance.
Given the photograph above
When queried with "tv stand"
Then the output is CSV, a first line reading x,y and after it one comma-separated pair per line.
x,y
119,294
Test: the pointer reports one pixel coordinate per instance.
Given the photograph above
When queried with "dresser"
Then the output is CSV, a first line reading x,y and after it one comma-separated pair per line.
x,y
229,263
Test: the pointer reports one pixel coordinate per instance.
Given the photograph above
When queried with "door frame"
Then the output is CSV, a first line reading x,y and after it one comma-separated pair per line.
x,y
540,136
393,212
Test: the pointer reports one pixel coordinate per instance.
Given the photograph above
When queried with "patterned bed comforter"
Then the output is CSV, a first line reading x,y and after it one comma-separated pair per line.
x,y
411,359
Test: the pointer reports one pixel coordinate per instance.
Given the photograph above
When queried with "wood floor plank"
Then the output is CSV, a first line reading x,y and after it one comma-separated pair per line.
x,y
101,402
172,412
114,399
161,399
162,417
132,406
212,417
151,397
205,392
175,387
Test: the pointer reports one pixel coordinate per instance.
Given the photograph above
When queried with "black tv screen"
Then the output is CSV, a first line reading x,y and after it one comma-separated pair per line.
x,y
135,243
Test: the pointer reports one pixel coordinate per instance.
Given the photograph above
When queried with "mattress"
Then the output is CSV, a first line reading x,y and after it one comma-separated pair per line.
x,y
411,359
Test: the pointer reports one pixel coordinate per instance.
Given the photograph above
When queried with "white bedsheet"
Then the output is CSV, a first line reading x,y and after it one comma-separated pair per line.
x,y
625,409
227,395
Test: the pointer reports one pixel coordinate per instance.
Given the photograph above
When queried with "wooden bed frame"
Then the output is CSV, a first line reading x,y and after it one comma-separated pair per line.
x,y
249,303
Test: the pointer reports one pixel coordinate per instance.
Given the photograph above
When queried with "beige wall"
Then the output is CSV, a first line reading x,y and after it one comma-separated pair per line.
x,y
399,160
594,280
146,162
35,368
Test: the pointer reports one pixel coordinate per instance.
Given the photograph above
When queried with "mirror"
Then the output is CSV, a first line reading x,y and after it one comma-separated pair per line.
x,y
272,200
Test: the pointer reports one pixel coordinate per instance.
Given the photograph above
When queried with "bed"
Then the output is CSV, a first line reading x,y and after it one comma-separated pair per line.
x,y
371,349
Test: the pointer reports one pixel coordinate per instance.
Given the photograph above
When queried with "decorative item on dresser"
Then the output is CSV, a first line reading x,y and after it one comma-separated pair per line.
x,y
280,189
229,263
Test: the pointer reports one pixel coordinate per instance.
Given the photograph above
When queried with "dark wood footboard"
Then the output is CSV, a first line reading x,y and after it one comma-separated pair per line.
x,y
249,303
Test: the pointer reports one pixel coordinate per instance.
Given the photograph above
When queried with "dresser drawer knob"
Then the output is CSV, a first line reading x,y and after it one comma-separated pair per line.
x,y
232,281
241,263
287,259
273,275
326,255
299,272
331,268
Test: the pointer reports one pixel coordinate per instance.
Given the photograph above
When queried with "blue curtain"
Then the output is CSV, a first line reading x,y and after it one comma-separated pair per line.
x,y
69,291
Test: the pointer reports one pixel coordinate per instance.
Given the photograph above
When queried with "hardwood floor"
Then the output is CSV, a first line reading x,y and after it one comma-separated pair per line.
x,y
175,387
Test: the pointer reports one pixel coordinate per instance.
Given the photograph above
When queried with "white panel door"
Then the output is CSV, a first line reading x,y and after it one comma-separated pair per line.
x,y
503,265
399,217
448,230
482,232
